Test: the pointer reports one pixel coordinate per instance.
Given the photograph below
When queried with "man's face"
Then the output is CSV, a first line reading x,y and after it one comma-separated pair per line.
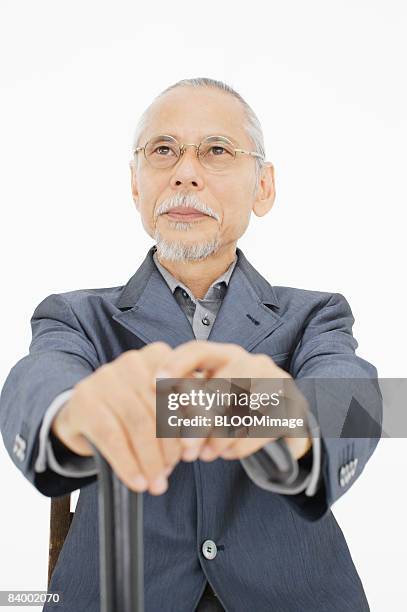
x,y
227,196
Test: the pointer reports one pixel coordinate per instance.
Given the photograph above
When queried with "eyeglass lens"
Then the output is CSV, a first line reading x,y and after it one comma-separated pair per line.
x,y
214,152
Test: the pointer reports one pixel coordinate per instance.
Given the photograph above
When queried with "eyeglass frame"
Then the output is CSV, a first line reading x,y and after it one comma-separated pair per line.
x,y
192,144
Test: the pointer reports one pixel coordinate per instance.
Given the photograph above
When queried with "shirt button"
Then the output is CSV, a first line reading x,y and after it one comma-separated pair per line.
x,y
206,321
209,549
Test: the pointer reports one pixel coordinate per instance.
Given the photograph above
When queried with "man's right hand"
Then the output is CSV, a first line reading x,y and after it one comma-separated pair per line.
x,y
114,408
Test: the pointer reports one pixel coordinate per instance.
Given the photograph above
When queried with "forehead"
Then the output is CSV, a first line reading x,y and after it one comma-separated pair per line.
x,y
190,114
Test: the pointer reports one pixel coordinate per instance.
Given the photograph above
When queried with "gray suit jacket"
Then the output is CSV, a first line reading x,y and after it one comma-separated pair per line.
x,y
274,552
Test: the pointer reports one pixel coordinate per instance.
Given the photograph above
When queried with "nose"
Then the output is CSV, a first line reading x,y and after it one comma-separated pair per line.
x,y
188,171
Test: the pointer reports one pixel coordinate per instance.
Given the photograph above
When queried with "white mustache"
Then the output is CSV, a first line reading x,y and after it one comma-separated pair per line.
x,y
185,200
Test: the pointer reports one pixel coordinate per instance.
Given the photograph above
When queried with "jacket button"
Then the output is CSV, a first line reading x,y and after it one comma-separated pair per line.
x,y
209,549
206,321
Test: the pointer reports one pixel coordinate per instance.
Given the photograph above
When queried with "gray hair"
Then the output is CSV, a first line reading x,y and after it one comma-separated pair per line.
x,y
253,127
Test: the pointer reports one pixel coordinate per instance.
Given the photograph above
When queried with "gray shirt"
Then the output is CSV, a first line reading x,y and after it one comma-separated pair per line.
x,y
272,468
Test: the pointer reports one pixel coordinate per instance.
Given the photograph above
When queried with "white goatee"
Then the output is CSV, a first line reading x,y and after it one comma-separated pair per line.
x,y
177,250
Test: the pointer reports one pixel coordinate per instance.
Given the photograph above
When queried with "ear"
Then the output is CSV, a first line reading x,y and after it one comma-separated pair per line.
x,y
133,178
266,192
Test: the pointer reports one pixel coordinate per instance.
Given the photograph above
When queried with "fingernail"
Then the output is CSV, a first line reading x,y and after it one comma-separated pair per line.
x,y
140,482
159,485
190,454
207,453
191,442
168,471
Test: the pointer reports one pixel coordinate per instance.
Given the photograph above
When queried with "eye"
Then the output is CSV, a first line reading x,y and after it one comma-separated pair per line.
x,y
163,150
217,150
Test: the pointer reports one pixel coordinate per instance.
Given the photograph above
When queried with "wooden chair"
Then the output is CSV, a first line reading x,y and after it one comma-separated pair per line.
x,y
60,521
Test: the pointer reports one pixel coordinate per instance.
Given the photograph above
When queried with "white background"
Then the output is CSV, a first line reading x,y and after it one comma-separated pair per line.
x,y
327,80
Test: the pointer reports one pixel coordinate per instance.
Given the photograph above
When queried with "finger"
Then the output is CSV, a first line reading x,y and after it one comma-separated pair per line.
x,y
109,437
191,448
197,354
216,444
171,450
190,435
245,447
137,419
193,439
247,365
154,353
170,446
139,422
214,447
123,377
128,397
153,356
139,366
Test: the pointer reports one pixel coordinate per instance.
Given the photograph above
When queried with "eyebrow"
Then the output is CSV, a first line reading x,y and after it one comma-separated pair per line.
x,y
231,138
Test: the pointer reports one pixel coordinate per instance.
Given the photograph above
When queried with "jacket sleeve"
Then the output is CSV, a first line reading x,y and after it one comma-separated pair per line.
x,y
274,468
53,454
60,355
344,398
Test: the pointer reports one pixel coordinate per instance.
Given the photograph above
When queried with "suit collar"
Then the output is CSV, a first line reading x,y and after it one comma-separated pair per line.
x,y
150,311
137,283
173,282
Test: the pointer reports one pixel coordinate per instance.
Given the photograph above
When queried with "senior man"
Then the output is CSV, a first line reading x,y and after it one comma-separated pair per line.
x,y
236,524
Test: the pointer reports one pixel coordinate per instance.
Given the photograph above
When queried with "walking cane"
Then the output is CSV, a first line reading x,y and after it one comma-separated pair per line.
x,y
120,542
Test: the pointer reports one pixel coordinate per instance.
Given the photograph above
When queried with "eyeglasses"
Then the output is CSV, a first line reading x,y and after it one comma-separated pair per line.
x,y
214,152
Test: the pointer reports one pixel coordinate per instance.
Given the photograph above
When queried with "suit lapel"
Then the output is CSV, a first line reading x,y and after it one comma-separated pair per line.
x,y
149,310
243,318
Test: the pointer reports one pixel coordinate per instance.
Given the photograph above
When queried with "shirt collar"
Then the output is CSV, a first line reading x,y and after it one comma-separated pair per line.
x,y
219,283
